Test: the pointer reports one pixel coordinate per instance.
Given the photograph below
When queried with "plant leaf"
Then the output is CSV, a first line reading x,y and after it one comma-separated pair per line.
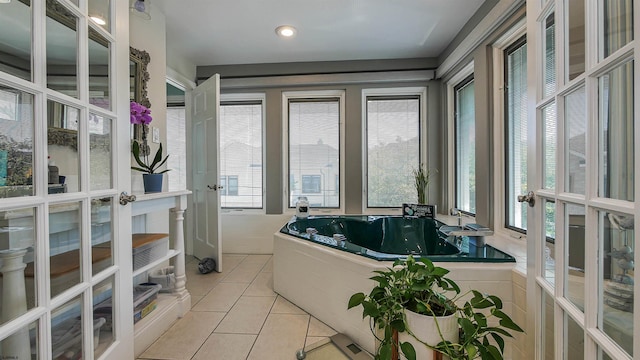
x,y
471,351
467,327
408,350
385,352
157,158
499,340
355,300
135,149
495,353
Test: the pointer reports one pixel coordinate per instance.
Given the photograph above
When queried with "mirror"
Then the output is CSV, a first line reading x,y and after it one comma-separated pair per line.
x,y
138,76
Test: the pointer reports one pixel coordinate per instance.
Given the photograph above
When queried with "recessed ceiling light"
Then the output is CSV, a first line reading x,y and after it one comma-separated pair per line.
x,y
286,31
98,20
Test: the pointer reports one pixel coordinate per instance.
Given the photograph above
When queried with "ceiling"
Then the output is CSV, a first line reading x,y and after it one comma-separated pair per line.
x,y
226,32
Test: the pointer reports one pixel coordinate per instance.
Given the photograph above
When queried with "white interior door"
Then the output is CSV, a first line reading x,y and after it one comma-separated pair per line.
x,y
206,179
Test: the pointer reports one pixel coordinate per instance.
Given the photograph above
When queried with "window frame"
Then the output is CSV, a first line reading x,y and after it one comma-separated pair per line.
x,y
460,85
249,98
391,92
499,134
319,95
464,74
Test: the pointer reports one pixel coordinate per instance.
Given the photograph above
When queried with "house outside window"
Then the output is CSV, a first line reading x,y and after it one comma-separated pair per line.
x,y
311,184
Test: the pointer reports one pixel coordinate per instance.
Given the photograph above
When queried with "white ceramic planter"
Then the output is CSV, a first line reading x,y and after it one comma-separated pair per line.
x,y
424,328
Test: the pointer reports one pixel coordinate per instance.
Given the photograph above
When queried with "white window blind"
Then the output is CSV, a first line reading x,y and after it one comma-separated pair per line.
x,y
393,150
465,133
314,150
176,148
241,154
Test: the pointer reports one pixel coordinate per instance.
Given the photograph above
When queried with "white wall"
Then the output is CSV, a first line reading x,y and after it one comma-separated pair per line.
x,y
149,35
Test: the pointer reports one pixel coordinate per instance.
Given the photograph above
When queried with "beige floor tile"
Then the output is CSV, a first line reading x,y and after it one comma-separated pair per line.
x,y
201,284
280,338
262,285
268,267
185,337
222,297
226,346
318,328
258,259
230,261
283,306
247,315
195,300
245,272
313,339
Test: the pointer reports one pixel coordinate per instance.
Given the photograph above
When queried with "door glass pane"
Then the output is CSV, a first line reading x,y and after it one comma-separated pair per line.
x,y
516,130
16,142
66,330
575,40
62,135
618,25
393,150
465,147
314,149
575,141
549,55
603,355
573,340
99,13
548,331
103,311
17,244
617,238
574,239
101,234
15,39
550,246
62,49
550,145
616,141
100,152
99,70
241,154
22,344
64,246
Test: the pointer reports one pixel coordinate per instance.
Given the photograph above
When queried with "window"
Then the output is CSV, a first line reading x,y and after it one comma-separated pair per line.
x,y
241,153
177,147
313,146
392,130
465,145
515,62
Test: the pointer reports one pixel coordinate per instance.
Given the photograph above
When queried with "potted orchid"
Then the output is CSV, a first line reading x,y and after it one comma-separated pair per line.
x,y
141,116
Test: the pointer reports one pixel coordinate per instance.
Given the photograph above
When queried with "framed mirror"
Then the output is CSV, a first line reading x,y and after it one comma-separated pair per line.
x,y
138,76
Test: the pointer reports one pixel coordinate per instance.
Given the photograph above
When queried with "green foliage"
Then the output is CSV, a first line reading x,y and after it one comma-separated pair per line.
x,y
144,166
421,183
424,288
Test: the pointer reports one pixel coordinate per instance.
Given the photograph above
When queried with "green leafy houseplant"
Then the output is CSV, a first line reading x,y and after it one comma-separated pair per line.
x,y
424,288
144,165
421,181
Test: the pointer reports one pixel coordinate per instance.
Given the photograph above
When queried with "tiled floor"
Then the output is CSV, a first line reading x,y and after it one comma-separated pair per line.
x,y
236,315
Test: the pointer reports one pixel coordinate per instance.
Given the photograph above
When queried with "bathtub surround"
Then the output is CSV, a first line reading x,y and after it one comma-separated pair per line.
x,y
320,280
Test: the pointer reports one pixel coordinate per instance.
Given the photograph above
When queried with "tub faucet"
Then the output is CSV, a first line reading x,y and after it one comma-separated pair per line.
x,y
458,213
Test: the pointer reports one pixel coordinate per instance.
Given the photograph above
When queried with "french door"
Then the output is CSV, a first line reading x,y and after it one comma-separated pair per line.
x,y
65,254
583,163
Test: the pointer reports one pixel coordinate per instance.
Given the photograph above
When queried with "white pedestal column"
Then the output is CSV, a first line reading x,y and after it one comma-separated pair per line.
x,y
14,303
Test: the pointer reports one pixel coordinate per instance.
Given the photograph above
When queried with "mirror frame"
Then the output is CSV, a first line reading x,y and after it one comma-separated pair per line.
x,y
141,76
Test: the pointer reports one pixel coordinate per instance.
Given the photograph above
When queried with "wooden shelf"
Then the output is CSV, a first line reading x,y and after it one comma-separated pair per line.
x,y
171,253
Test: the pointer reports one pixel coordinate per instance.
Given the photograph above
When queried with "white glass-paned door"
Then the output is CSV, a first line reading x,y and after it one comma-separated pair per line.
x,y
582,236
64,159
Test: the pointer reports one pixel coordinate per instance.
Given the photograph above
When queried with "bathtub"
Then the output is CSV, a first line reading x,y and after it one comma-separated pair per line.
x,y
319,272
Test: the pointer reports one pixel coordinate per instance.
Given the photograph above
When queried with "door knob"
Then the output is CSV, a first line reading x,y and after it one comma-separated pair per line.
x,y
125,199
529,198
215,187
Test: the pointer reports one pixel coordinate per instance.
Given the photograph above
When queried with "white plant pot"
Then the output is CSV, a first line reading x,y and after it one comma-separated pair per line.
x,y
424,328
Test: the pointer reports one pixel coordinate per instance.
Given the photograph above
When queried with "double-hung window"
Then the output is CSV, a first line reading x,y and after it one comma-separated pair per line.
x,y
241,150
465,145
393,122
314,142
